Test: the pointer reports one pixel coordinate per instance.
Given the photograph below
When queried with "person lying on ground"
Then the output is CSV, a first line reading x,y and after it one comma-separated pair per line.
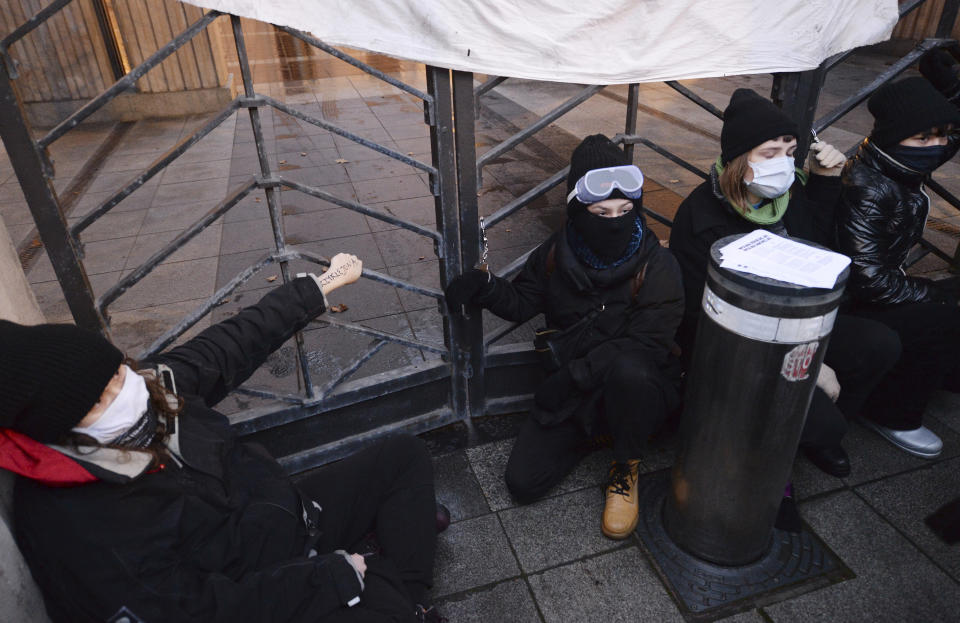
x,y
136,500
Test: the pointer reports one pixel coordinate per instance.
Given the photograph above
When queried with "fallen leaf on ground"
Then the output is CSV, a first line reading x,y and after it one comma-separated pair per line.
x,y
674,181
272,278
303,153
283,162
256,199
420,258
341,161
336,309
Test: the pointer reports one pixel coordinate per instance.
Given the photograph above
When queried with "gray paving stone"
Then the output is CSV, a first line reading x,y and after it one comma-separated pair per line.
x,y
391,189
457,488
355,152
326,175
208,191
894,581
809,480
112,225
244,236
424,273
945,407
875,457
557,530
362,245
508,601
134,330
906,499
334,223
173,217
192,171
400,246
753,616
205,244
618,586
171,283
99,257
462,546
296,202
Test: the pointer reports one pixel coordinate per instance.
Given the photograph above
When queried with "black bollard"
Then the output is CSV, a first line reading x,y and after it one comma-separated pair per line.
x,y
759,346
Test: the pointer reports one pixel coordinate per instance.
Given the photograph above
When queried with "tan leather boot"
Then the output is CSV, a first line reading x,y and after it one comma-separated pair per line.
x,y
622,507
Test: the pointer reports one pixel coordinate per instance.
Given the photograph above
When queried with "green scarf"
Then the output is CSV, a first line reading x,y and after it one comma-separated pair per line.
x,y
772,210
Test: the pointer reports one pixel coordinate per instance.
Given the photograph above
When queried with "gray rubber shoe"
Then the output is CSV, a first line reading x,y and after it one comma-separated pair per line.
x,y
921,442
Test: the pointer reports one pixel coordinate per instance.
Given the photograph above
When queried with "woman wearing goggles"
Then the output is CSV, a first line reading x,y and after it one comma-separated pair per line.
x,y
612,300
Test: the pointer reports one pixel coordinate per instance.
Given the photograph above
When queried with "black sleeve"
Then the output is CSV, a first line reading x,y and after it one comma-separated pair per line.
x,y
223,356
863,235
822,199
652,325
523,298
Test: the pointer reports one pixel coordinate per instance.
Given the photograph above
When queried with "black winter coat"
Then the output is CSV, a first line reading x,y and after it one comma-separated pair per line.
x,y
220,533
706,216
881,217
645,323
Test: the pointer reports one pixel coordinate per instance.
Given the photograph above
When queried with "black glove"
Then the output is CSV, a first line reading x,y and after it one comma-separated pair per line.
x,y
939,67
555,390
465,288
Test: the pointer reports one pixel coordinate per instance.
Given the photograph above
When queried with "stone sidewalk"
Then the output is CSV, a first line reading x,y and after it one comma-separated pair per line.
x,y
498,561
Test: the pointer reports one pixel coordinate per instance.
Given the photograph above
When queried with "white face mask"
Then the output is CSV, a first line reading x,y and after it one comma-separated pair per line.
x,y
125,410
771,178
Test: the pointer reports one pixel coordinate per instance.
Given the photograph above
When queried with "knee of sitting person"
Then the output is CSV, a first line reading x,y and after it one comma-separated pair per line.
x,y
524,486
883,348
630,370
407,450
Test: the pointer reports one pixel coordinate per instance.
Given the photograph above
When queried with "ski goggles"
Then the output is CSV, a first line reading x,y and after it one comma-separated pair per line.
x,y
597,184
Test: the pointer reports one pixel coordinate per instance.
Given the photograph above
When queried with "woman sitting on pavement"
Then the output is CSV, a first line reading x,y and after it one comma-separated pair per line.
x,y
137,502
882,216
752,186
612,299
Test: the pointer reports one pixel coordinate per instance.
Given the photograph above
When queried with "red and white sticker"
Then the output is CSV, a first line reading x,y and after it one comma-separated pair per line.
x,y
796,363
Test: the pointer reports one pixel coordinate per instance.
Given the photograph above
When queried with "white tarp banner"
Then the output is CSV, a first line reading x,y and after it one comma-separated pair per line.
x,y
595,42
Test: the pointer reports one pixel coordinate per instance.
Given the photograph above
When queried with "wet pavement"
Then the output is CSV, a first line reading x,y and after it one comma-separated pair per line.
x,y
498,561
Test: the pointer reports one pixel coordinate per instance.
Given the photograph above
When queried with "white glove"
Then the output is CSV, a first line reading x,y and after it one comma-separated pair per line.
x,y
825,159
827,381
344,270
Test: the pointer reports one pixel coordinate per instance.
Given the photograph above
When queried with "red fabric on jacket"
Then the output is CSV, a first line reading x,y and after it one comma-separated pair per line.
x,y
22,455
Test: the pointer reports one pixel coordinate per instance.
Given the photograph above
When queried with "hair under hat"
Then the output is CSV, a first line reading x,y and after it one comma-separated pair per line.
x,y
907,107
750,120
51,375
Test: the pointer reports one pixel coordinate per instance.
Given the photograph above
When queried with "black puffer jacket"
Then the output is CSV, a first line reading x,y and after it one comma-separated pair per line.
x,y
881,217
220,533
568,290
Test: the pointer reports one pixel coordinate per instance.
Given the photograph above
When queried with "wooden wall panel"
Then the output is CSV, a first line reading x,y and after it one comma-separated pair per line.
x,y
922,22
66,58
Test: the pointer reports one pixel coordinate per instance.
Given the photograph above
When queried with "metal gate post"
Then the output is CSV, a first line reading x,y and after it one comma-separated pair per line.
x,y
948,18
798,94
32,166
448,223
470,234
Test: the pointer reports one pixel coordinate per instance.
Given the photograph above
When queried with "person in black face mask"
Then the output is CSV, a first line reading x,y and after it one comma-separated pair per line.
x,y
612,299
882,215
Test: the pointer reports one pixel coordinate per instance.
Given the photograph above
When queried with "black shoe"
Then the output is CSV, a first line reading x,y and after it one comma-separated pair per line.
x,y
442,518
428,615
831,459
788,517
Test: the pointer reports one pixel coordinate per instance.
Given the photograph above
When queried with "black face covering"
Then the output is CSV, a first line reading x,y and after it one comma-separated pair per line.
x,y
924,159
607,237
141,434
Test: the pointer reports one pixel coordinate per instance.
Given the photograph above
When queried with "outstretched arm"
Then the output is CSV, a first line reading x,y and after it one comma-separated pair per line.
x,y
223,356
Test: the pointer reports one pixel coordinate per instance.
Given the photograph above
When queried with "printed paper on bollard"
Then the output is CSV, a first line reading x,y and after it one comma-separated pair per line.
x,y
768,255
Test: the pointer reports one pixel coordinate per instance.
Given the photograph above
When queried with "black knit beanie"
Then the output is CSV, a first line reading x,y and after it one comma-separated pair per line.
x,y
51,375
748,121
902,109
594,152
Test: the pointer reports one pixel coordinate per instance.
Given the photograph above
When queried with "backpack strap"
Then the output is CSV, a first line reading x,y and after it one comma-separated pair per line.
x,y
551,263
638,281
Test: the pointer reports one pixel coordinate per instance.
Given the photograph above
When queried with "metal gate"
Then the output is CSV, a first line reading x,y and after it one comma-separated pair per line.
x,y
476,374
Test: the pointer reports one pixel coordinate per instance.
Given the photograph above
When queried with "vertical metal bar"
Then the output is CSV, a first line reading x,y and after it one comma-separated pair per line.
x,y
798,93
633,102
110,42
948,17
470,234
448,224
272,190
29,164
